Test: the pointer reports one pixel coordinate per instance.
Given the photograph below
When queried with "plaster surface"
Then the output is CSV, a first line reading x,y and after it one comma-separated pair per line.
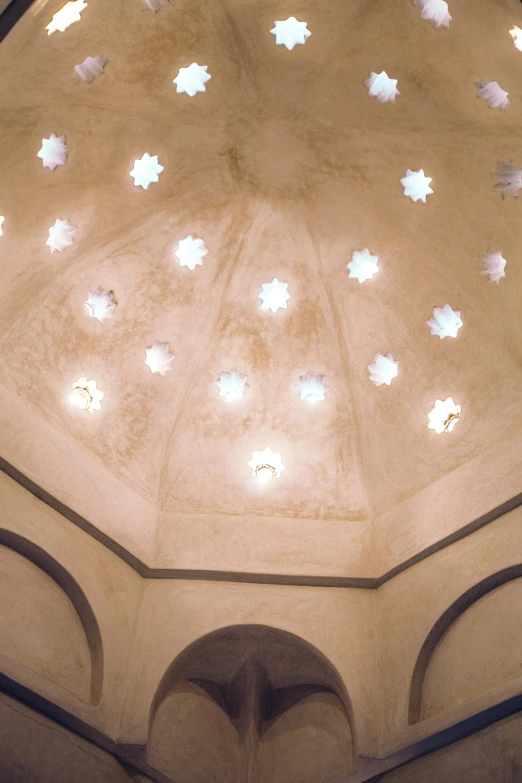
x,y
283,166
39,626
36,749
162,679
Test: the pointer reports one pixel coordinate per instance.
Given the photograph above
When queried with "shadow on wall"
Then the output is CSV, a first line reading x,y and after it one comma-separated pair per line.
x,y
46,621
251,704
472,648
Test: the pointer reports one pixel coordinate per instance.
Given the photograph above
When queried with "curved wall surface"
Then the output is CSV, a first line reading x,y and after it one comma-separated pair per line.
x,y
252,704
39,626
481,650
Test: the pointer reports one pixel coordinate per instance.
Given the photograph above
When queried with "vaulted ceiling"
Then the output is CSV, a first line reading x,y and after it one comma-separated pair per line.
x,y
284,166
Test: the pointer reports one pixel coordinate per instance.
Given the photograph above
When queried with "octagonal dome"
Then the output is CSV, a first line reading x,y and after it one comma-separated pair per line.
x,y
284,167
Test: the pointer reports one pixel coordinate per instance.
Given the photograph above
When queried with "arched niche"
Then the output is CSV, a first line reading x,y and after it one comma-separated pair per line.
x,y
46,621
472,648
239,704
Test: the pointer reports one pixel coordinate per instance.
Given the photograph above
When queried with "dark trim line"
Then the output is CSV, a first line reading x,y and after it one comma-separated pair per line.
x,y
449,736
11,15
133,757
145,571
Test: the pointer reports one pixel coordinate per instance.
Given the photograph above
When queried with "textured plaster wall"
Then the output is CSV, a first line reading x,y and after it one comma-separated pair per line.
x,y
193,738
110,586
39,626
479,652
33,749
475,675
339,623
372,637
493,755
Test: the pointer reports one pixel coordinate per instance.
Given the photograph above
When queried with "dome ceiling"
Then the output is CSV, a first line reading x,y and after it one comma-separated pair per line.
x,y
284,167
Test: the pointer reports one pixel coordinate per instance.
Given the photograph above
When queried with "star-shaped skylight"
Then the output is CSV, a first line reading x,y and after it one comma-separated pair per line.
x,y
516,35
445,322
383,369
435,11
274,295
493,266
2,218
492,93
232,385
53,152
100,304
416,185
363,265
266,464
86,396
155,5
312,388
290,32
146,170
61,235
66,16
159,358
382,87
192,79
190,251
444,415
90,68
509,179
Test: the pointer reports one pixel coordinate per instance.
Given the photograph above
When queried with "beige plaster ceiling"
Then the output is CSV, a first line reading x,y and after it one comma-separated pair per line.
x,y
284,167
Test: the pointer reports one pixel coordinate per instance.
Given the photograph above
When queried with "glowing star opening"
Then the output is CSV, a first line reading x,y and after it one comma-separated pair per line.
x,y
90,68
274,295
416,185
2,218
516,35
232,385
146,170
312,388
66,16
61,235
266,465
86,396
509,179
382,87
53,152
383,369
290,32
155,5
493,266
444,415
445,322
435,11
190,251
100,304
492,93
363,265
159,358
192,79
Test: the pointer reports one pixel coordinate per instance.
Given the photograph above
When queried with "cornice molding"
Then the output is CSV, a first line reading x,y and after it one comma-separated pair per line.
x,y
148,572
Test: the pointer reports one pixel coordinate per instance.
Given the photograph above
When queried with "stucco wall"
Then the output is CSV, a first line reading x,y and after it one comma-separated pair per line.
x,y
35,749
373,639
39,626
493,755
